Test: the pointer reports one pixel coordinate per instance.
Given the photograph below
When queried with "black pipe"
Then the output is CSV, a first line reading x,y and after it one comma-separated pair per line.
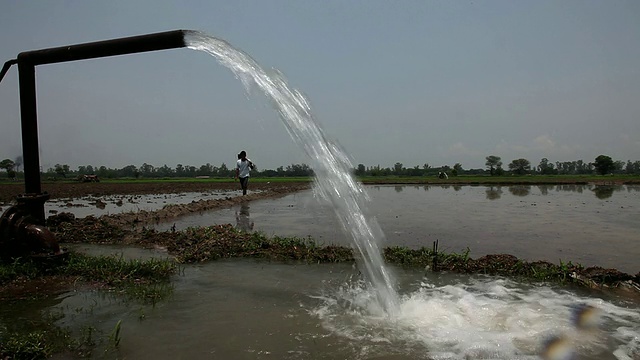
x,y
6,67
27,61
29,123
135,44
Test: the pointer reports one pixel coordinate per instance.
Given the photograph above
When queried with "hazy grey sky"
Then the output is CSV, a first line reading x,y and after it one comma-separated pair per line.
x,y
415,82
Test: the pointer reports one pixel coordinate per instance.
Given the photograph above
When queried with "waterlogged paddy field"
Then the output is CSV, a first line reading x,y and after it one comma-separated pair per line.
x,y
592,225
246,309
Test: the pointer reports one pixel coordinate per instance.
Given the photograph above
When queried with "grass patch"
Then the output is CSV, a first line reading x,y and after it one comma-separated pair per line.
x,y
201,244
25,279
138,280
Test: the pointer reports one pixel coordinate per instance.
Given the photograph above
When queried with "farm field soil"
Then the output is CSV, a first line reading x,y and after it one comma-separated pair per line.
x,y
76,190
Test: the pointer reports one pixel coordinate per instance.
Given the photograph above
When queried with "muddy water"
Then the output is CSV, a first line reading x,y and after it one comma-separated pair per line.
x,y
243,309
595,226
116,204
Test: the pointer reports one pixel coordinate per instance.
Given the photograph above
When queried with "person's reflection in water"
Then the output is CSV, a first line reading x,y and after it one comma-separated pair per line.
x,y
243,221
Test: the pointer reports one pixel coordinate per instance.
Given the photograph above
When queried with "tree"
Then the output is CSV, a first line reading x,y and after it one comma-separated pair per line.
x,y
361,170
62,170
493,163
147,170
457,169
604,164
179,170
398,168
18,162
546,168
7,164
224,171
205,170
129,171
520,166
633,167
618,165
414,171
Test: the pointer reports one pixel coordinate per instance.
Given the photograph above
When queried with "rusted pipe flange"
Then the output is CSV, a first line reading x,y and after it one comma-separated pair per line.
x,y
21,233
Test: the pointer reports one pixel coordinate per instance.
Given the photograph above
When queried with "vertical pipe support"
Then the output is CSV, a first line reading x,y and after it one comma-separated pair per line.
x,y
29,125
27,62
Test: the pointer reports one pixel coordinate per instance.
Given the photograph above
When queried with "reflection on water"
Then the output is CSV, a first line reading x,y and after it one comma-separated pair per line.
x,y
520,190
243,221
544,189
603,191
549,223
493,193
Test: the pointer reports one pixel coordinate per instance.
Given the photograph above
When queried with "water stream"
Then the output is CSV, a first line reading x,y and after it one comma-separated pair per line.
x,y
333,180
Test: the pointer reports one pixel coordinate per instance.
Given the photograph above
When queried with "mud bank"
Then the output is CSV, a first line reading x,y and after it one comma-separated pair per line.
x,y
224,241
8,192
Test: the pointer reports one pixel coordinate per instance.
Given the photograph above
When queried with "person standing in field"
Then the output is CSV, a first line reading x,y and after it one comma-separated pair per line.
x,y
243,169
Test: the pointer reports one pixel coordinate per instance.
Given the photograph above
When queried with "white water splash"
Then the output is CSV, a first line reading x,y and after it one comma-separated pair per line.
x,y
484,318
332,167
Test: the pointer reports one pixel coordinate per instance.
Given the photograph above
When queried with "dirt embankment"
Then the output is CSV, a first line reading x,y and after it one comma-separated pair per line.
x,y
8,192
136,220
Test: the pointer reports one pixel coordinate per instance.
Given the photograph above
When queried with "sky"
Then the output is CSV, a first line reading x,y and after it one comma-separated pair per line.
x,y
415,82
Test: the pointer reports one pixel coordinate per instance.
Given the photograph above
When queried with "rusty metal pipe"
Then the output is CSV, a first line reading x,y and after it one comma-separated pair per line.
x,y
41,240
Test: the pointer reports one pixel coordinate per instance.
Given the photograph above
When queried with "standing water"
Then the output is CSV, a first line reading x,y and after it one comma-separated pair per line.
x,y
332,167
474,319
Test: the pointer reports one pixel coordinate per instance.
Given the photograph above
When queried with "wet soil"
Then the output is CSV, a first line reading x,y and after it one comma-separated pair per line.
x,y
56,190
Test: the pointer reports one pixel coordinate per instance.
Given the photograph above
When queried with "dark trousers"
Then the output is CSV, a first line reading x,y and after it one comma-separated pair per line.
x,y
244,182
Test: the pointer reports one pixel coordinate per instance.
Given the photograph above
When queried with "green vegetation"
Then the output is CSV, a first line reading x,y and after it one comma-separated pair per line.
x,y
602,165
202,244
395,179
108,270
136,280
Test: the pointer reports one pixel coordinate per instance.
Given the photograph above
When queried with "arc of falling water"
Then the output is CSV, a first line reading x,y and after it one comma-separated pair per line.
x,y
331,166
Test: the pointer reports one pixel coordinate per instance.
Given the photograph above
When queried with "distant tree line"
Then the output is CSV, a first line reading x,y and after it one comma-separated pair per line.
x,y
602,164
180,171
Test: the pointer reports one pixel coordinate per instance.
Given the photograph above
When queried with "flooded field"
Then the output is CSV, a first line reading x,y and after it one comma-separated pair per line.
x,y
248,309
115,204
581,223
245,309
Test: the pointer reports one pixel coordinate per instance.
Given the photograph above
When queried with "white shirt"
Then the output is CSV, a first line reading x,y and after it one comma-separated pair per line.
x,y
244,168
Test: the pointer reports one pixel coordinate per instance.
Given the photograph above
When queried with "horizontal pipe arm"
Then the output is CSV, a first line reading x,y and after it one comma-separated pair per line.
x,y
129,45
6,67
